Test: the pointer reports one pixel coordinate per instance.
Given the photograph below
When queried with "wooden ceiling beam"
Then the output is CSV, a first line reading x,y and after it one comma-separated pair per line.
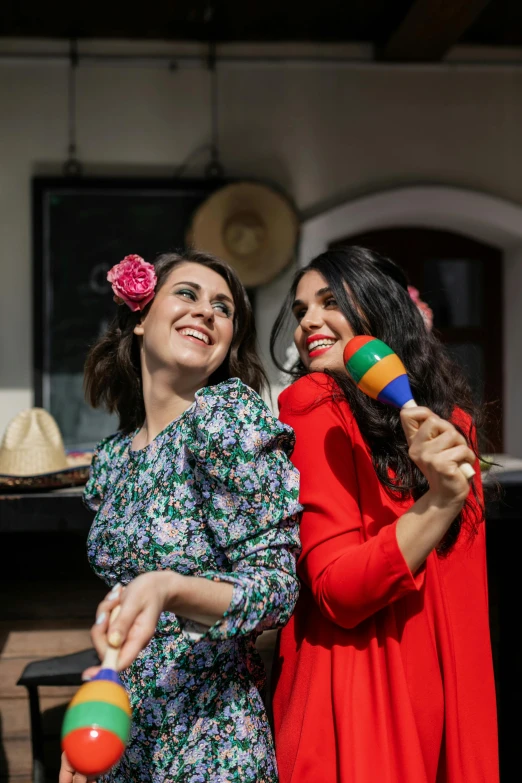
x,y
429,29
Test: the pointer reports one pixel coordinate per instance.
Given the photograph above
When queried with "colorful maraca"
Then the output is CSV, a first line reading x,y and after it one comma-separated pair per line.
x,y
380,374
97,722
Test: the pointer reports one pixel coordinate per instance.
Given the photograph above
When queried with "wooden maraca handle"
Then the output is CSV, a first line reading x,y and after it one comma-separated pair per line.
x,y
110,659
465,468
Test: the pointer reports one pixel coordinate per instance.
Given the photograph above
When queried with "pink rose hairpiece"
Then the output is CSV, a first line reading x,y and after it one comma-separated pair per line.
x,y
424,309
133,282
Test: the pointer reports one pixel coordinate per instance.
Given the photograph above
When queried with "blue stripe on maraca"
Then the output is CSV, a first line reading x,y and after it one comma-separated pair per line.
x,y
397,392
108,674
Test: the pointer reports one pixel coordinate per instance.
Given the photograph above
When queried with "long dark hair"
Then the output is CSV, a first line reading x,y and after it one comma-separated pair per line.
x,y
112,377
372,293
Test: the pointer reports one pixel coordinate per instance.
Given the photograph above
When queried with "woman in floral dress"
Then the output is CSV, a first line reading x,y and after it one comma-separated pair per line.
x,y
196,505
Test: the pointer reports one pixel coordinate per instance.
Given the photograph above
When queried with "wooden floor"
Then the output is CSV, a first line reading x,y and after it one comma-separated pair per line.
x,y
48,596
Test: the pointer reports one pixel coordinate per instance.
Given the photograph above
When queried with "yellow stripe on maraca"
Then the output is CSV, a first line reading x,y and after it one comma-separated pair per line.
x,y
103,690
380,375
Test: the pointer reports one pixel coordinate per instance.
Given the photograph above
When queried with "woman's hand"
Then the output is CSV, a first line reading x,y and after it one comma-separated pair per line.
x,y
437,448
69,775
142,601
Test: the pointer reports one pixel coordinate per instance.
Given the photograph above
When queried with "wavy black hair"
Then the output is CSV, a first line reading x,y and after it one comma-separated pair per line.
x,y
372,293
112,374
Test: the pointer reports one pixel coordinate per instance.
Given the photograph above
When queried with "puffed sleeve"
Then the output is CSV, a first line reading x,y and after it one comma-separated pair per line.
x,y
250,490
97,482
351,576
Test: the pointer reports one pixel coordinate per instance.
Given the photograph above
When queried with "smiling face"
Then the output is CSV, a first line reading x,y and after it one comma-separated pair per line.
x,y
322,330
189,327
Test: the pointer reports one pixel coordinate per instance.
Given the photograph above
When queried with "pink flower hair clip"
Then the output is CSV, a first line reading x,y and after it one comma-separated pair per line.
x,y
133,282
424,309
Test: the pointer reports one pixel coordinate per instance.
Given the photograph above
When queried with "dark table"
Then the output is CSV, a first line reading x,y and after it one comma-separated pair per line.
x,y
60,510
504,541
45,574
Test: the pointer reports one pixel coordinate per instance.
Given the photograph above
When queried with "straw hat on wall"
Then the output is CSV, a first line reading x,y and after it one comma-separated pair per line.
x,y
250,225
32,454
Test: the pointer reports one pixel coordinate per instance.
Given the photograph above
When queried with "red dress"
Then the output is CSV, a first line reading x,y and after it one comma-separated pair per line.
x,y
382,676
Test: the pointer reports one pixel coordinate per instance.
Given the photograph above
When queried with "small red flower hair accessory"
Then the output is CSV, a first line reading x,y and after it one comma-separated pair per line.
x,y
425,309
133,282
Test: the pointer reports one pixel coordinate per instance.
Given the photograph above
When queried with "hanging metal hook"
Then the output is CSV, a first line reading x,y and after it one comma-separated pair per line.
x,y
72,166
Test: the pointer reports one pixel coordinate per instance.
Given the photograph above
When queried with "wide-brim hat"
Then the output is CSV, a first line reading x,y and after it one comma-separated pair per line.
x,y
33,456
249,224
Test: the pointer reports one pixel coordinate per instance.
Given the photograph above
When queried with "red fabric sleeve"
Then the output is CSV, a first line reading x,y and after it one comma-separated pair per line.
x,y
351,578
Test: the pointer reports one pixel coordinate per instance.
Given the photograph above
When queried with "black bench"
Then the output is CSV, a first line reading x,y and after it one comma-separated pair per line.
x,y
62,670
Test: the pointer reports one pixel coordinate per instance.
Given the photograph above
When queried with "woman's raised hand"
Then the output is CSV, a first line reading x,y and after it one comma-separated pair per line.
x,y
438,449
142,601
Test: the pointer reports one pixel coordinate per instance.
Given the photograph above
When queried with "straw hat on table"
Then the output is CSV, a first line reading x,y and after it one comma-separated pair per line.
x,y
32,455
250,225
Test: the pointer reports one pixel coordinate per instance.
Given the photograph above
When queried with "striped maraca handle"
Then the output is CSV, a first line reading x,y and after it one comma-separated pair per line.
x,y
378,372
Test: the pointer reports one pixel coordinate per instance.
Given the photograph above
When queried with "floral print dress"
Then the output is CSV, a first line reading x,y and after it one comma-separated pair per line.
x,y
214,495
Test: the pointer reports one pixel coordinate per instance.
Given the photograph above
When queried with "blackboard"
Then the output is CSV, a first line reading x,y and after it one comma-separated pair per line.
x,y
81,228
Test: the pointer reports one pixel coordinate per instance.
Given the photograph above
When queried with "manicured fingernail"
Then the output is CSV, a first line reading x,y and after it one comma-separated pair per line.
x,y
86,678
115,638
100,618
114,592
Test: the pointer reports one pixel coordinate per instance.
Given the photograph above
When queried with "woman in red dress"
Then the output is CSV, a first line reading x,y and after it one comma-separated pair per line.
x,y
384,673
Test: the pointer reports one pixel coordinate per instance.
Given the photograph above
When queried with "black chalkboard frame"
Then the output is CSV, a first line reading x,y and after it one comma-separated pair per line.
x,y
43,189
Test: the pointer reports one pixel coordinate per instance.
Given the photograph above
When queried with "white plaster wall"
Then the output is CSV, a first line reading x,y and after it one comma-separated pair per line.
x,y
325,133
